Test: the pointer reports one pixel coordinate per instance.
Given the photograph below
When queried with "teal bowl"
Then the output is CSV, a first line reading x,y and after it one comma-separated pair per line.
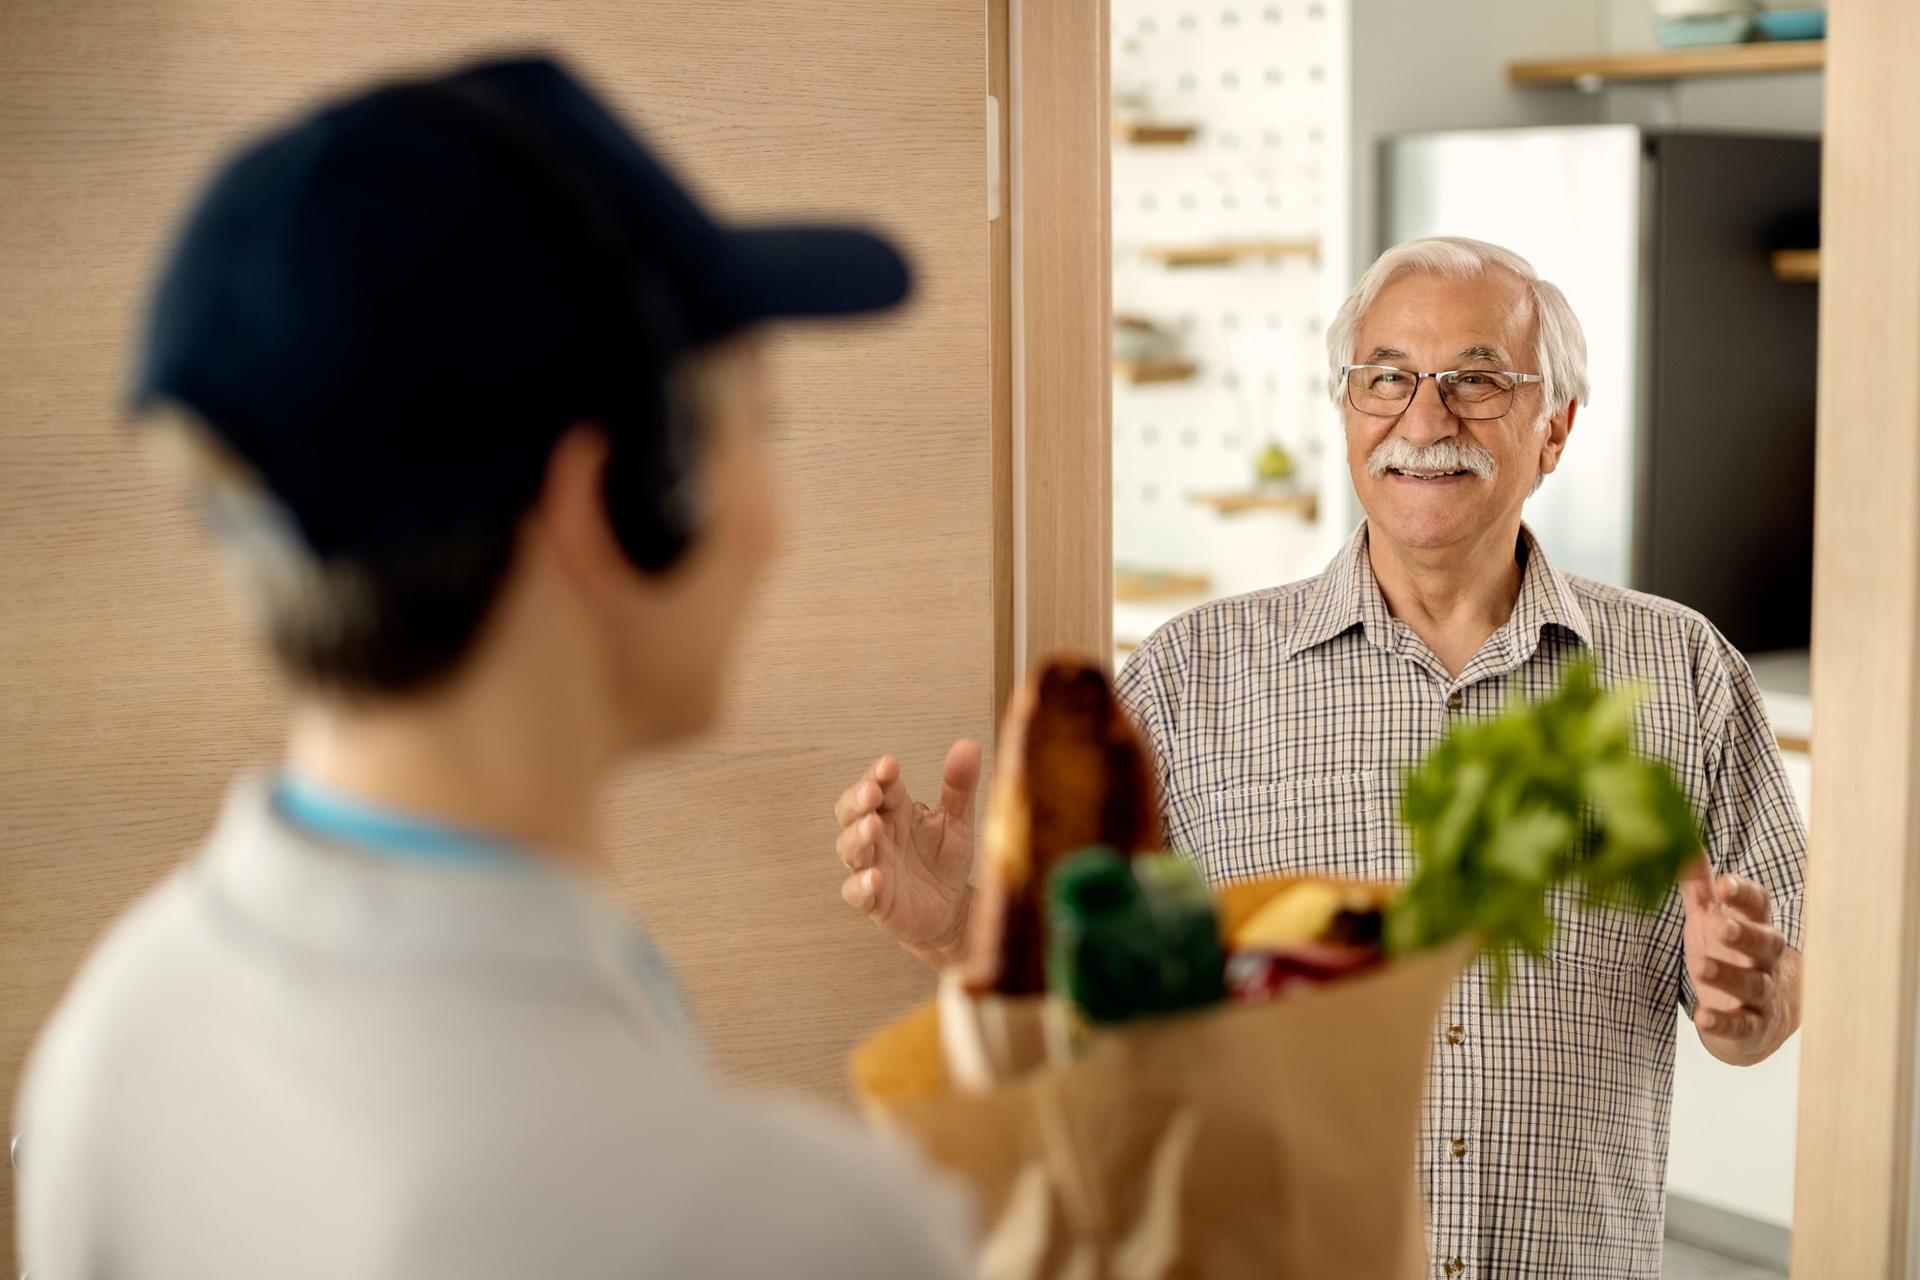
x,y
1792,24
1688,33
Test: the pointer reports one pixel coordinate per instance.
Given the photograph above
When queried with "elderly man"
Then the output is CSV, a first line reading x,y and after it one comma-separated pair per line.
x,y
1282,722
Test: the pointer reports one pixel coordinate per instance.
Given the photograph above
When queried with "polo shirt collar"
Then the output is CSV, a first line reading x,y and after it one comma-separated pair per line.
x,y
323,897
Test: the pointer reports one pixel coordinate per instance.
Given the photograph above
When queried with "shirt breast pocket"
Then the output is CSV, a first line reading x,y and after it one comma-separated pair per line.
x,y
1322,824
1613,939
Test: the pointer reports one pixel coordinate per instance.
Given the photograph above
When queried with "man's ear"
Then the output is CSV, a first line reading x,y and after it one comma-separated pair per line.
x,y
571,511
1553,436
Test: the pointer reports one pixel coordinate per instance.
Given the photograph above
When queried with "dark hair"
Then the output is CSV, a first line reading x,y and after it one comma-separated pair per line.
x,y
380,623
392,623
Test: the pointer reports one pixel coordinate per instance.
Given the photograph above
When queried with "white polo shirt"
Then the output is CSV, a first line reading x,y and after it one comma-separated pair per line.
x,y
297,1058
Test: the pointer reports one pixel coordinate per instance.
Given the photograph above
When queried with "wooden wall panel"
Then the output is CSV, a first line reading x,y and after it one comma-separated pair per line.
x,y
128,696
1855,1177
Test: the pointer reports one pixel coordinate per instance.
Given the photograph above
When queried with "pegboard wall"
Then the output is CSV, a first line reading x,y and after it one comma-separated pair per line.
x,y
1262,82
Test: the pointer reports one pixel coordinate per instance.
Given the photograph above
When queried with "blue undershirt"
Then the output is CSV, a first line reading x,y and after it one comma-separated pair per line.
x,y
327,813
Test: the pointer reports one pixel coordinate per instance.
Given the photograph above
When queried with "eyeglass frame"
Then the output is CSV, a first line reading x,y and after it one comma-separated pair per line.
x,y
1439,388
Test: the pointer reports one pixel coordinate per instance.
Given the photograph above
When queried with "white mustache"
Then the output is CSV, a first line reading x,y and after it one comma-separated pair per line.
x,y
1397,453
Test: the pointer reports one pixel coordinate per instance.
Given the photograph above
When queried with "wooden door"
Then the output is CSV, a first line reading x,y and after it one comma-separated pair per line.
x,y
128,696
1856,1212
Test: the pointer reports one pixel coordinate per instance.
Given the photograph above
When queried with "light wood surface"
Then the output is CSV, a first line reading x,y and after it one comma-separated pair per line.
x,y
1138,133
1854,1179
1221,255
1304,505
128,697
1140,586
1797,265
1063,282
1141,373
1671,64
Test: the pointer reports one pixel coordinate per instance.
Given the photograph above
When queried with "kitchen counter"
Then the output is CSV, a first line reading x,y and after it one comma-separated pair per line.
x,y
1786,684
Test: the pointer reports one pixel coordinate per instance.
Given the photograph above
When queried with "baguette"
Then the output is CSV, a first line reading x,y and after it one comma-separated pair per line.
x,y
1072,774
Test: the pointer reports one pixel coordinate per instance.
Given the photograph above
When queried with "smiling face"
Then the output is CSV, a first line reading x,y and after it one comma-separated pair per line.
x,y
1429,479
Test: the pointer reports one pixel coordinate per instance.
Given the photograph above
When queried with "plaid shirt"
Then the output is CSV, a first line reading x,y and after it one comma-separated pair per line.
x,y
1283,721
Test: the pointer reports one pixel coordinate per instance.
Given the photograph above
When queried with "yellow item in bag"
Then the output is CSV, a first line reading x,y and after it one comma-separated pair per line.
x,y
1298,915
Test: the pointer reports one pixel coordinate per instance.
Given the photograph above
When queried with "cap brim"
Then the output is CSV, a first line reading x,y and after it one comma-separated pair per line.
x,y
813,271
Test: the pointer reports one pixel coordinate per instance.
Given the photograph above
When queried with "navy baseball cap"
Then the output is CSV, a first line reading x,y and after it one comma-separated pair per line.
x,y
392,308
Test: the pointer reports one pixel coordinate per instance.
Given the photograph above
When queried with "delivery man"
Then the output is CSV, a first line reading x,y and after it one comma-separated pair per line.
x,y
472,393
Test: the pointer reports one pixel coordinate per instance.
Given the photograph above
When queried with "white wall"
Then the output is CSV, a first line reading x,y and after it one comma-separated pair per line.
x,y
1264,81
1415,64
1732,1142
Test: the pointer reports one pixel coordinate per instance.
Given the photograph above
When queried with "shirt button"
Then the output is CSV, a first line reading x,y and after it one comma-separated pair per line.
x,y
1454,1266
1456,1035
1455,701
1459,1148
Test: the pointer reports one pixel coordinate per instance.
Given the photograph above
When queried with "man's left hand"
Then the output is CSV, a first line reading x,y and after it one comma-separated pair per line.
x,y
1746,980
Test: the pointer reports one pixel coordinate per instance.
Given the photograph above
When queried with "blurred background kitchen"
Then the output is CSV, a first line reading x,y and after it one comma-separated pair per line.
x,y
1658,159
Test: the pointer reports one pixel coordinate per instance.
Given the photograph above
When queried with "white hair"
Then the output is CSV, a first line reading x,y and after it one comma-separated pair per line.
x,y
1560,346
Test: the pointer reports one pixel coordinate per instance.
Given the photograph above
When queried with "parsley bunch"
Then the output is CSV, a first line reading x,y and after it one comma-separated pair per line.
x,y
1503,810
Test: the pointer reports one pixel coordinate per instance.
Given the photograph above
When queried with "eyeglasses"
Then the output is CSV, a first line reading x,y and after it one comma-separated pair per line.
x,y
1383,391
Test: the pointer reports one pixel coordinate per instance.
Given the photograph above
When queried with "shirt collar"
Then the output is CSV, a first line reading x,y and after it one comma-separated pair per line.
x,y
326,895
1547,599
320,897
317,810
1346,596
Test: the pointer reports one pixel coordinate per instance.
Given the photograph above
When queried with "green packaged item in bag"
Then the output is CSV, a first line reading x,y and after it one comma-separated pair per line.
x,y
1132,936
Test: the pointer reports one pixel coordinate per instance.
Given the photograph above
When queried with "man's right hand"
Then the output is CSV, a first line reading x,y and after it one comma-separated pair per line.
x,y
909,864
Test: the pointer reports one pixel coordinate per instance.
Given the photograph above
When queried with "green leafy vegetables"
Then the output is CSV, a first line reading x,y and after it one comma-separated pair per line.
x,y
1546,792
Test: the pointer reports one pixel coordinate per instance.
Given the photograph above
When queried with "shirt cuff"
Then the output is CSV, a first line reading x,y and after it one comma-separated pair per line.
x,y
1787,919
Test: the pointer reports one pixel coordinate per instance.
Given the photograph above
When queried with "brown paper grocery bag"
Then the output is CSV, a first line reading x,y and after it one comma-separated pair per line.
x,y
1272,1140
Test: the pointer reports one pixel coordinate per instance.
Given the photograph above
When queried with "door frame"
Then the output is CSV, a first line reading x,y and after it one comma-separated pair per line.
x,y
1857,1196
1854,1187
1052,335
